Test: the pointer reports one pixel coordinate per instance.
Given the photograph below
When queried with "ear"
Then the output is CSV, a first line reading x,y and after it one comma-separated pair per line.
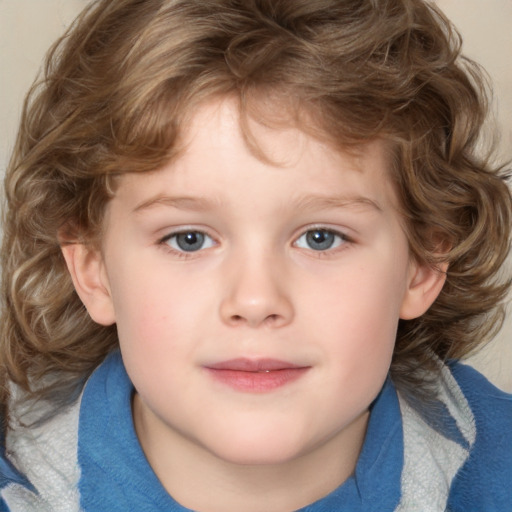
x,y
87,270
424,285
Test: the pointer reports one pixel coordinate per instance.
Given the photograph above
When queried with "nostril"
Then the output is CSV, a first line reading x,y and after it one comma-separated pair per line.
x,y
255,309
240,319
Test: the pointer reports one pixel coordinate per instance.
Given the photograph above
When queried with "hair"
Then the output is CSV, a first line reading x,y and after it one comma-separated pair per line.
x,y
119,87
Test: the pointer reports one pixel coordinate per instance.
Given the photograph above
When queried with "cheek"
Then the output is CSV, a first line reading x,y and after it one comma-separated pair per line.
x,y
159,314
151,339
357,319
144,292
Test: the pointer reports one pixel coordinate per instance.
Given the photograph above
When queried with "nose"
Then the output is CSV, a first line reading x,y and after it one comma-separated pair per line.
x,y
256,294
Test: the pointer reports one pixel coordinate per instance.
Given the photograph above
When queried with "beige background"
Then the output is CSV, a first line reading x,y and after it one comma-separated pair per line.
x,y
28,27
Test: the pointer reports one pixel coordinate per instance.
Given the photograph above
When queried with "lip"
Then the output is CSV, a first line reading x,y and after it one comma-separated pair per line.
x,y
256,375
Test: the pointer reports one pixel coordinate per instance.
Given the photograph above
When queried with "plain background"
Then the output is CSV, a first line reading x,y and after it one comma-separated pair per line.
x,y
28,27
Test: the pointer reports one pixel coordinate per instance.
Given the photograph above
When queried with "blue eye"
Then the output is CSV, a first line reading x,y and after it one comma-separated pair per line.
x,y
320,240
189,241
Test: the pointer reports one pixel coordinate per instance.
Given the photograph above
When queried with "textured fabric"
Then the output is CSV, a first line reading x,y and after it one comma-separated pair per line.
x,y
456,456
107,434
484,483
442,439
46,456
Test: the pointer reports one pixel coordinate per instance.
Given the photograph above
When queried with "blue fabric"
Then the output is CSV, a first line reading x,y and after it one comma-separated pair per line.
x,y
3,506
116,476
8,473
484,483
375,485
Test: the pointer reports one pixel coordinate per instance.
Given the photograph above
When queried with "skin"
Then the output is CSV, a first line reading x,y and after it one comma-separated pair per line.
x,y
256,288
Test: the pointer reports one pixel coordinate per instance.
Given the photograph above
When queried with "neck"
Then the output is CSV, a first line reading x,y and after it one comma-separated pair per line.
x,y
183,467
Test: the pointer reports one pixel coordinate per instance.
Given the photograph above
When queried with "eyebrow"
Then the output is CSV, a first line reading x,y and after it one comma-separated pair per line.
x,y
310,202
181,202
319,202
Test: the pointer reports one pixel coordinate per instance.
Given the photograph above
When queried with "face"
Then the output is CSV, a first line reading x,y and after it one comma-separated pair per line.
x,y
256,304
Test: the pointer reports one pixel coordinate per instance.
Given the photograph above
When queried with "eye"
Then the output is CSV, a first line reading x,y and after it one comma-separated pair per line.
x,y
320,240
189,241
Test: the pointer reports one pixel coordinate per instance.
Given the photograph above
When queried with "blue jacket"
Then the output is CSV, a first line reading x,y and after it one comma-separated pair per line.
x,y
455,457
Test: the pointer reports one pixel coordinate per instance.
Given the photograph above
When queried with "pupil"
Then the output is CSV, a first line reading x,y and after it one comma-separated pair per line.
x,y
320,239
191,241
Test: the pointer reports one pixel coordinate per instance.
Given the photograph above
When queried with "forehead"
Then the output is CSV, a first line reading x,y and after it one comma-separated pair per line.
x,y
277,132
222,151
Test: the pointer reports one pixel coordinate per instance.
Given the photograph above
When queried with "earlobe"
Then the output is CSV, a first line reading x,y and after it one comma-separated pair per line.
x,y
87,270
425,284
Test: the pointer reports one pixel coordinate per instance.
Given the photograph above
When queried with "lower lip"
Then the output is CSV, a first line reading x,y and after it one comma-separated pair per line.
x,y
257,382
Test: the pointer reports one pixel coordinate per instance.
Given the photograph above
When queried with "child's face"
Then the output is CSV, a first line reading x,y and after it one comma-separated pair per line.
x,y
220,263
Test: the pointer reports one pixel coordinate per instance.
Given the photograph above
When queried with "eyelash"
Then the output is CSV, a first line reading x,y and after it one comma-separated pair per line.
x,y
341,243
165,242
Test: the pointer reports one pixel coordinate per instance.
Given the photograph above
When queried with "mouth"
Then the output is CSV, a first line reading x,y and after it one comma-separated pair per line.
x,y
256,375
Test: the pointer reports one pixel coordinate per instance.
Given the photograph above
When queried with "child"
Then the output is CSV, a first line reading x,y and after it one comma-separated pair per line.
x,y
245,244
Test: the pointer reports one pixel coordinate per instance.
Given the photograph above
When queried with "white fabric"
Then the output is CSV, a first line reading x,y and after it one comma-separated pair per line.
x,y
48,456
426,485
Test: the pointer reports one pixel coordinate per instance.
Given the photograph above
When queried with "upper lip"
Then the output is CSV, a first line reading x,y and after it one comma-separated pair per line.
x,y
254,365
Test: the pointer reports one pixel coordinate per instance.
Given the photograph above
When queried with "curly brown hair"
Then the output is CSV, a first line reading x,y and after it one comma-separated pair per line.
x,y
115,95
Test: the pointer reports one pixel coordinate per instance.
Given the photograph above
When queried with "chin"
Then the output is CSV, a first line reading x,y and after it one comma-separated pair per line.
x,y
257,452
257,459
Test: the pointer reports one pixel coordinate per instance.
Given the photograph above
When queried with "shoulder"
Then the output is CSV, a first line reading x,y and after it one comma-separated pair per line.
x,y
38,460
40,467
115,474
485,481
490,405
458,446
41,463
